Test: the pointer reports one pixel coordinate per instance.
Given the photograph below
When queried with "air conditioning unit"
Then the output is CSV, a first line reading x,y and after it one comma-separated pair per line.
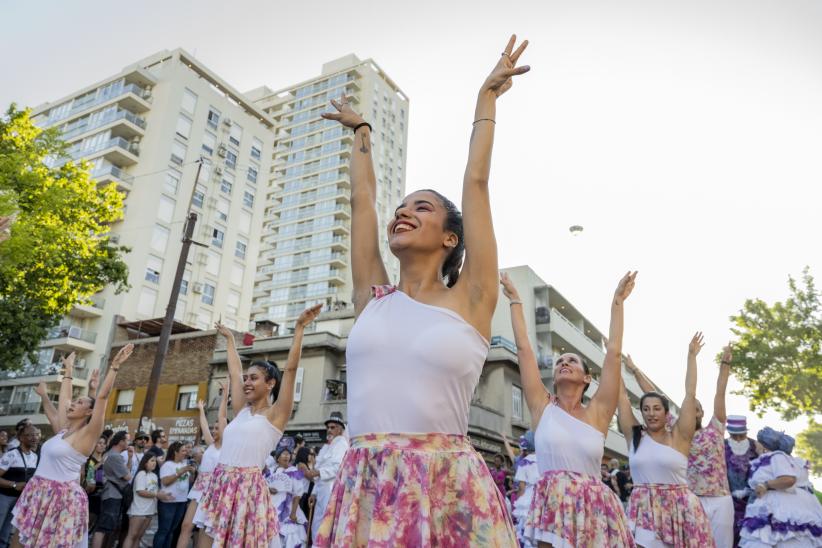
x,y
222,151
80,364
218,170
211,203
197,287
227,121
134,147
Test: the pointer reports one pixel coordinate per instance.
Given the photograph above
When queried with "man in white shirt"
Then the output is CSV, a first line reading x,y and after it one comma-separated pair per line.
x,y
328,464
17,467
139,446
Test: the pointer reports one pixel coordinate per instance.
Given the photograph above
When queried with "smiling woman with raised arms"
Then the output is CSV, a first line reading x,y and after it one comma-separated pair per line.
x,y
415,354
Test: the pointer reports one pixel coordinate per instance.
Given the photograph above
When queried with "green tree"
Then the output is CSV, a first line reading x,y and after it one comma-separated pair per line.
x,y
778,356
809,446
57,251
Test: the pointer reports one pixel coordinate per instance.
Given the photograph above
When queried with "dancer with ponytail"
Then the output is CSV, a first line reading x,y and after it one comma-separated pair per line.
x,y
571,506
415,354
662,510
235,510
53,509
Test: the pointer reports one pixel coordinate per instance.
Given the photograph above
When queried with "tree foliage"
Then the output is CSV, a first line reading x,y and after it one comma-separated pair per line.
x,y
778,356
58,252
809,446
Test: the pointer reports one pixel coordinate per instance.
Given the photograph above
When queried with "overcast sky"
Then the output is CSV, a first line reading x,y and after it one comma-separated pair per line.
x,y
684,136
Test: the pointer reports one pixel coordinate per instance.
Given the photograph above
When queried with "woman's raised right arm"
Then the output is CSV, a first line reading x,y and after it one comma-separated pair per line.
x,y
686,424
367,267
235,369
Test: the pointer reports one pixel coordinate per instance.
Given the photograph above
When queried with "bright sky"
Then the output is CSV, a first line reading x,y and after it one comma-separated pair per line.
x,y
684,136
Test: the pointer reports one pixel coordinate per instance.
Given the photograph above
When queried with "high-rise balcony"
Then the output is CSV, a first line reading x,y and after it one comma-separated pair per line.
x,y
46,371
71,338
122,123
130,96
91,310
116,150
563,327
106,173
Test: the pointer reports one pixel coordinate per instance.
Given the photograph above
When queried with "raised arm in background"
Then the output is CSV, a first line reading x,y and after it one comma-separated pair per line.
x,y
478,279
367,267
235,369
645,384
536,395
64,399
683,431
86,438
508,449
604,402
626,419
204,430
279,413
48,407
222,414
722,384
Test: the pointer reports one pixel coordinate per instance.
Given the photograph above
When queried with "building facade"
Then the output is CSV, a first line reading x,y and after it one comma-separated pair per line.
x,y
305,247
151,129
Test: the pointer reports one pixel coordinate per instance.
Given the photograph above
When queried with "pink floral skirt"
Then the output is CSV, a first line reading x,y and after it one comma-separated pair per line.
x,y
672,512
200,486
571,509
235,509
52,513
414,490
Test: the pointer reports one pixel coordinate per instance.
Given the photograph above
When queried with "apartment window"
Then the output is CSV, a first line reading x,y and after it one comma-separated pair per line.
x,y
231,159
225,186
172,182
223,207
125,401
183,126
153,268
256,149
165,209
159,239
209,143
199,195
213,117
232,303
252,174
213,263
516,402
148,298
240,248
236,134
189,101
187,397
208,294
184,283
237,274
178,153
218,237
248,199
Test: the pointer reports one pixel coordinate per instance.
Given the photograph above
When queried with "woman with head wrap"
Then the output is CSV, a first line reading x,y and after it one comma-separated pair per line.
x,y
781,514
525,478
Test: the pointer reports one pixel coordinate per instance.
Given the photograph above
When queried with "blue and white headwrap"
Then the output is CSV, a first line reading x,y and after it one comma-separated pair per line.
x,y
526,441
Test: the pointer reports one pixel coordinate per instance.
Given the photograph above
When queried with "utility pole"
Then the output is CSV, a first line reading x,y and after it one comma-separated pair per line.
x,y
168,321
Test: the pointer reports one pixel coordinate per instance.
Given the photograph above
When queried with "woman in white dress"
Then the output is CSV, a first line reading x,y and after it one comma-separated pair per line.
x,y
285,483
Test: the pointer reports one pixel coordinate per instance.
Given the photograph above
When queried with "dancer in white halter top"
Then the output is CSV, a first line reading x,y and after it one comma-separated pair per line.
x,y
571,505
53,509
235,509
663,511
415,354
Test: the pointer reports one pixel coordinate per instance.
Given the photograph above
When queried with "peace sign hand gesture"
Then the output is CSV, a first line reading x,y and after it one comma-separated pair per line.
x,y
345,114
500,80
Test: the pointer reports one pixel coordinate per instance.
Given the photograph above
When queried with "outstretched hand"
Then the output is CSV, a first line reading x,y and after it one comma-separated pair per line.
x,y
122,355
224,331
94,382
68,363
696,344
40,389
309,315
501,78
508,287
345,114
625,287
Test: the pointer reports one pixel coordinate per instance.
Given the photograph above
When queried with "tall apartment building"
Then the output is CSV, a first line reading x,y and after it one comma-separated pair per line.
x,y
144,129
305,249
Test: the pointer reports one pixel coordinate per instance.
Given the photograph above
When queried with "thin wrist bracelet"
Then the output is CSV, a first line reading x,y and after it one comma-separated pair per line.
x,y
514,301
364,124
484,120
